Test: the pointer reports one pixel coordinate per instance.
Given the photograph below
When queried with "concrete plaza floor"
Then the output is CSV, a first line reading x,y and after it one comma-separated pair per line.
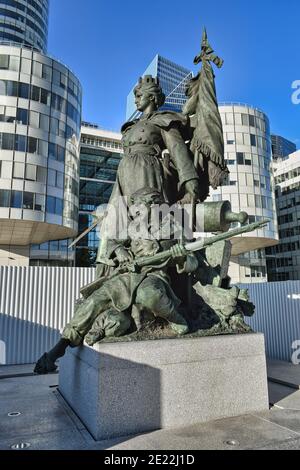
x,y
32,411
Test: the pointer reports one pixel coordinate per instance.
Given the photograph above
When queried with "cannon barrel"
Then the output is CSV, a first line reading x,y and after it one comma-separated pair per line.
x,y
216,216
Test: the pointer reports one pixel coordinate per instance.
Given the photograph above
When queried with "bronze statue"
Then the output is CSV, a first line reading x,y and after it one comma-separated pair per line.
x,y
156,286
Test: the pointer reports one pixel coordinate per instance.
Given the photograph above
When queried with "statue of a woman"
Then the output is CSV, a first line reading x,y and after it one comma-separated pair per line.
x,y
144,142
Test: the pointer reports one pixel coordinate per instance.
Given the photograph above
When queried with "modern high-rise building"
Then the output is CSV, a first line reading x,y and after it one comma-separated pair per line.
x,y
248,188
283,260
40,117
173,79
25,22
100,155
281,147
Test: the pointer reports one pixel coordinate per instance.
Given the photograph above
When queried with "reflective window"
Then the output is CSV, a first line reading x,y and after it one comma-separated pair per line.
x,y
51,177
7,141
47,72
44,122
4,198
16,199
45,97
23,90
4,61
22,116
253,140
32,145
50,204
41,174
28,200
20,143
35,93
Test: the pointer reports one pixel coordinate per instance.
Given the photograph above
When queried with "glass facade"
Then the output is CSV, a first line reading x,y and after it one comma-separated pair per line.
x,y
100,156
248,187
281,147
25,22
173,79
283,260
40,115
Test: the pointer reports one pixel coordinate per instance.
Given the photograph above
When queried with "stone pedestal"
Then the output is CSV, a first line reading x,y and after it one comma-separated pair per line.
x,y
124,388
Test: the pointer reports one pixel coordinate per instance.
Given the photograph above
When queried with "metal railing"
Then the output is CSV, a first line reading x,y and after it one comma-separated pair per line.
x,y
36,302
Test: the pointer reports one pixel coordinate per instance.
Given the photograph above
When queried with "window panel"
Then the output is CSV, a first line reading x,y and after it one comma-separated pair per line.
x,y
41,174
2,87
39,202
18,170
23,91
22,116
35,93
44,122
34,119
37,69
52,151
30,172
60,154
4,198
251,121
16,199
253,140
60,180
58,206
32,145
4,61
43,148
6,170
26,66
14,63
50,204
245,119
12,88
20,143
7,141
240,158
51,177
45,97
239,138
54,126
47,72
28,200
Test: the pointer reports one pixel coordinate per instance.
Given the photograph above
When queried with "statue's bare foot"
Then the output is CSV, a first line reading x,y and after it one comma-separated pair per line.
x,y
44,365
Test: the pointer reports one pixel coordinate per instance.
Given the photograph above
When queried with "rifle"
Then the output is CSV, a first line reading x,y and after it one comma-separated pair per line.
x,y
164,256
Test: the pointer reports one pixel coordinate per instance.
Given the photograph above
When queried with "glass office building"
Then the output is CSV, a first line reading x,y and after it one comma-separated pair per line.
x,y
248,187
40,119
283,260
172,78
281,147
100,154
25,22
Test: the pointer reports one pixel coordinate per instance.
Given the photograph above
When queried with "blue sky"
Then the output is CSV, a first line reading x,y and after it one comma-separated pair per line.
x,y
109,43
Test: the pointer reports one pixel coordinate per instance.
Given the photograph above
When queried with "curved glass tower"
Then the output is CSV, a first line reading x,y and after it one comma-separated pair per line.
x,y
25,22
249,187
40,118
